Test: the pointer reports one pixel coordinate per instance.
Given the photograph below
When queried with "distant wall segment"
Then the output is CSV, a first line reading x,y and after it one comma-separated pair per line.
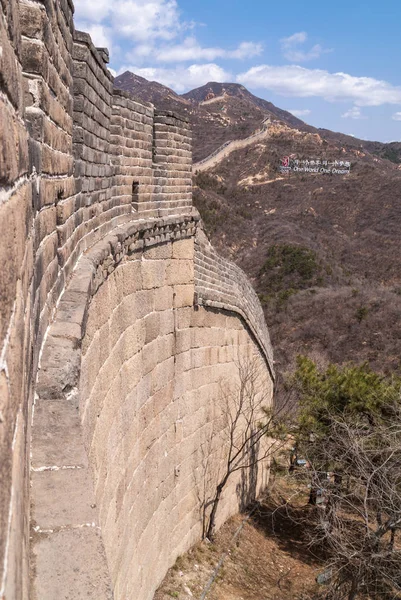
x,y
80,162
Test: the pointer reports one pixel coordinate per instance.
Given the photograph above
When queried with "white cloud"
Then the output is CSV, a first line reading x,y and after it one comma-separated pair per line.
x,y
152,30
182,79
293,80
396,116
139,20
297,38
245,50
101,35
290,47
353,113
191,50
92,10
299,112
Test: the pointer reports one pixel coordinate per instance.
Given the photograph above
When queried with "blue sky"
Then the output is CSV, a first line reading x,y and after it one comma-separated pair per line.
x,y
333,64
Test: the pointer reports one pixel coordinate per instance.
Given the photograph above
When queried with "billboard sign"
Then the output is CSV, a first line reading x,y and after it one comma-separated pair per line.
x,y
315,165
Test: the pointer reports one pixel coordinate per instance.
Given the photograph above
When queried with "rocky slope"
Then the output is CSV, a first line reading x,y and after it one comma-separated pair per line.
x,y
322,251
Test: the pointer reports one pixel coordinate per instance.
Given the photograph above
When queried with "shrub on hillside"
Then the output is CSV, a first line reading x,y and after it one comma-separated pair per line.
x,y
288,269
349,432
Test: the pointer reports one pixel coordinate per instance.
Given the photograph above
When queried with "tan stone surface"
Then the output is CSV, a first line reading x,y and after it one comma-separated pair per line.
x,y
52,443
66,570
168,381
62,498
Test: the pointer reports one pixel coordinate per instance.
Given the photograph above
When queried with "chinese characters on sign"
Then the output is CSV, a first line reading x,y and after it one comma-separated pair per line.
x,y
320,166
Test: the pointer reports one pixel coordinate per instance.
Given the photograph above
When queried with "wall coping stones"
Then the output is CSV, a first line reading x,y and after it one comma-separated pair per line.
x,y
94,267
172,114
104,53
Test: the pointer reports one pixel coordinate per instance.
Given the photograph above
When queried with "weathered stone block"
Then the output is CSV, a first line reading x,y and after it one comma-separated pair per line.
x,y
14,147
183,249
183,295
180,272
153,273
15,217
152,325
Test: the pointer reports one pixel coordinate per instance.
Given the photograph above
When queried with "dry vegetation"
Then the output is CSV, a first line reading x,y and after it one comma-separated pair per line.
x,y
270,559
322,251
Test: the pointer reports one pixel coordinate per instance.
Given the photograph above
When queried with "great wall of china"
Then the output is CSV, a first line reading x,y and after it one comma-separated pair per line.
x,y
118,323
228,147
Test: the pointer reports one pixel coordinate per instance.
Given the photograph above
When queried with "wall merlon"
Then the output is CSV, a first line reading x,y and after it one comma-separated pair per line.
x,y
167,116
82,44
127,100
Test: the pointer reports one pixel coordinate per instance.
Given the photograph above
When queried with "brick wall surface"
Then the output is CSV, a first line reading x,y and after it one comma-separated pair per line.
x,y
79,160
172,161
132,157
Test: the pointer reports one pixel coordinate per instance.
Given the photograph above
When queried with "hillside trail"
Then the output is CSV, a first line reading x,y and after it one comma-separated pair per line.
x,y
221,153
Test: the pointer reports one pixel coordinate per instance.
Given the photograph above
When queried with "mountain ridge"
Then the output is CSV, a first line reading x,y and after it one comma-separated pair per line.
x,y
191,104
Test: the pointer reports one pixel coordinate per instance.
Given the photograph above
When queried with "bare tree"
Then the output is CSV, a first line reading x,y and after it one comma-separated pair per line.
x,y
356,474
253,430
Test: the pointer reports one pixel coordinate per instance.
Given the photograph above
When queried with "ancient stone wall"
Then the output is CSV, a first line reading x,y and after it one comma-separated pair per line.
x,y
146,369
79,162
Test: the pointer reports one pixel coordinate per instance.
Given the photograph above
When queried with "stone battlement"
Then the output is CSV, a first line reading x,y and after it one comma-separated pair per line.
x,y
117,322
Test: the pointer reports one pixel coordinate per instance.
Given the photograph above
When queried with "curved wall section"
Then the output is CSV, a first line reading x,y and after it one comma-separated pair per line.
x,y
221,284
144,367
152,411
